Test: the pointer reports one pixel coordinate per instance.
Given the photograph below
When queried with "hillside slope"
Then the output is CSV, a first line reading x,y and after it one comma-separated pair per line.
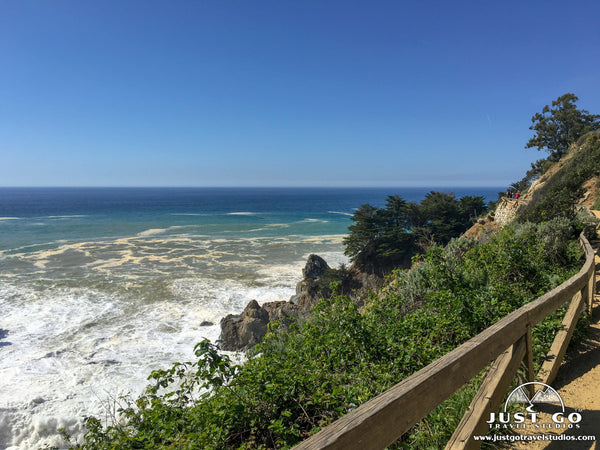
x,y
567,186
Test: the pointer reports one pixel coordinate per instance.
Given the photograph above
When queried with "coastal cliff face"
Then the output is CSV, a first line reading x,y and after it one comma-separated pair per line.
x,y
506,211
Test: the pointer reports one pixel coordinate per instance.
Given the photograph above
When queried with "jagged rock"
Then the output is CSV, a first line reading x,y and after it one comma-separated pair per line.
x,y
245,330
306,291
483,229
206,323
242,331
282,311
315,267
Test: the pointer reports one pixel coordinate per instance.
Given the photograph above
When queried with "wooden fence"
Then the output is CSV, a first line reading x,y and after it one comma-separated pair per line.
x,y
384,419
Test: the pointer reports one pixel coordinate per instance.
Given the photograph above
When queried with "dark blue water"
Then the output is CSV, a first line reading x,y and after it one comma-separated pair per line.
x,y
30,202
38,215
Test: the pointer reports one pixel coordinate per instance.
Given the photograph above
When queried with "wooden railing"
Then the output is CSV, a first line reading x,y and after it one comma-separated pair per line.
x,y
385,418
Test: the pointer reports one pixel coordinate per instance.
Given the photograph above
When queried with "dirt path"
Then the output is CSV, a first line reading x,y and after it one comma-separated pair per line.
x,y
578,384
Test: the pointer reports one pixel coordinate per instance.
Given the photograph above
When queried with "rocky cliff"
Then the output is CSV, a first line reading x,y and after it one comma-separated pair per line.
x,y
245,330
508,209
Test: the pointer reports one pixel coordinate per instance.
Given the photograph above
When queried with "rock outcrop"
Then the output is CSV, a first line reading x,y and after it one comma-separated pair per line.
x,y
315,267
245,330
507,210
242,331
307,290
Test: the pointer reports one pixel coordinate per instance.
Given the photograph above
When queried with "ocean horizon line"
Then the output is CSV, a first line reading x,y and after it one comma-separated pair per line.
x,y
444,186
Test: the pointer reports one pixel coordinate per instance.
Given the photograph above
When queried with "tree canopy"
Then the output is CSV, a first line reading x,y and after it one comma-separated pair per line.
x,y
382,239
558,127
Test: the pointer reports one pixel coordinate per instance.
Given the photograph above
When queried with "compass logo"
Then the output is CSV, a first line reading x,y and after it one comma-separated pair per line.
x,y
545,398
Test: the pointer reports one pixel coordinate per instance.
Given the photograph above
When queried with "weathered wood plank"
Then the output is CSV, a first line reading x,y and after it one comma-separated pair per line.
x,y
591,273
530,371
561,340
488,398
591,288
584,297
385,418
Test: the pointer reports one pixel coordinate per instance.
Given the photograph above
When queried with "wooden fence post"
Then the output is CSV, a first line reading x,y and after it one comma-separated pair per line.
x,y
561,340
488,398
591,289
530,373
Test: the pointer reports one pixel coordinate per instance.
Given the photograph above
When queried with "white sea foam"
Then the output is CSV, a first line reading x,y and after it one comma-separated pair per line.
x,y
44,363
340,212
71,344
266,227
69,352
9,218
309,220
152,232
335,239
66,216
242,213
68,349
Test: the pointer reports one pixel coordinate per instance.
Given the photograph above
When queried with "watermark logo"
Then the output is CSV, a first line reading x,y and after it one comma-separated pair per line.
x,y
544,409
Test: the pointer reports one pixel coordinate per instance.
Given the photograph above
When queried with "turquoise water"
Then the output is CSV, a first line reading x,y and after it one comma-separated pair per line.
x,y
100,286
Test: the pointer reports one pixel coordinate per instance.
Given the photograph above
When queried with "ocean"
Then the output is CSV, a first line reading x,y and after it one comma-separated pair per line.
x,y
100,286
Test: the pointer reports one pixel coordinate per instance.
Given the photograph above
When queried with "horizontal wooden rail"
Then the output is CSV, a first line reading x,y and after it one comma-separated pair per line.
x,y
385,418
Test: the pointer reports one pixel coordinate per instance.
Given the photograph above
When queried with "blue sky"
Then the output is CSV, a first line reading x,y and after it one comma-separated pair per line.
x,y
284,93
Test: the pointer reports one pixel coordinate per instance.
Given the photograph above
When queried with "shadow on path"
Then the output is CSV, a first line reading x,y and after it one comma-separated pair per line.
x,y
588,427
583,357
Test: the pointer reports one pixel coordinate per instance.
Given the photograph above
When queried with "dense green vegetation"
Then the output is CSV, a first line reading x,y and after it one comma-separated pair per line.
x,y
382,239
295,382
